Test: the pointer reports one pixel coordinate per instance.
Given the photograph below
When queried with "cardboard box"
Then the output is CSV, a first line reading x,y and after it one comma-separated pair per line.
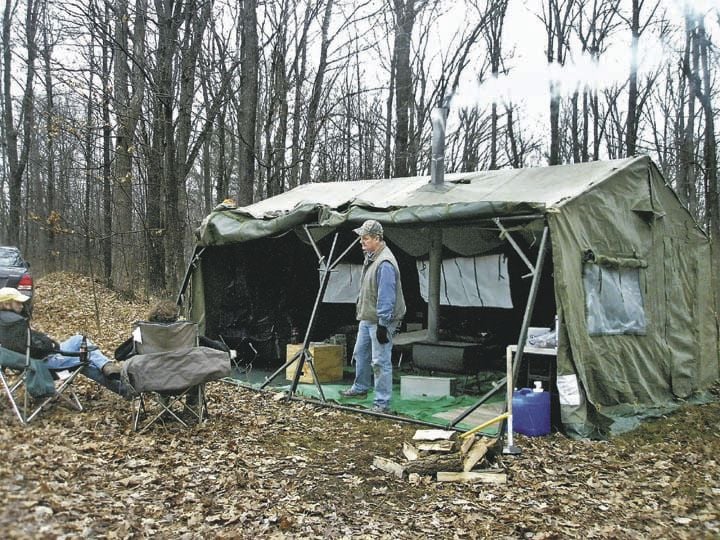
x,y
327,360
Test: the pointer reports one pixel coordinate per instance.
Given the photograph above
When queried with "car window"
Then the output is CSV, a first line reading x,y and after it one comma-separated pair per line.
x,y
10,258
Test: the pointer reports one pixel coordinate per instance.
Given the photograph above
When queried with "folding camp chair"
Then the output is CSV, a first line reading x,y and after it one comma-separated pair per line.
x,y
31,385
168,366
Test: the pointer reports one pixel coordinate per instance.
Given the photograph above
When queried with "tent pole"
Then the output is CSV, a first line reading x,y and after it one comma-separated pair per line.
x,y
529,307
435,269
513,373
303,355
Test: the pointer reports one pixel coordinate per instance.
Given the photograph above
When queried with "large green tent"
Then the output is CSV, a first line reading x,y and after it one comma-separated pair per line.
x,y
629,268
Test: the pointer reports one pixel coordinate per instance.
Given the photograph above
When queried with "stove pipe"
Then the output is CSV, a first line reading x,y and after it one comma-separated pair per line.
x,y
438,117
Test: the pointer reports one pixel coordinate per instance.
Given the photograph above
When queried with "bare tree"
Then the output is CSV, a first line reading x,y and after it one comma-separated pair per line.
x,y
558,21
637,27
129,86
405,13
312,112
597,21
248,101
18,157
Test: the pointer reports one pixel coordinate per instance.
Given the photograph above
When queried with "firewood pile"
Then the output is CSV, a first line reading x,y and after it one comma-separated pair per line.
x,y
446,456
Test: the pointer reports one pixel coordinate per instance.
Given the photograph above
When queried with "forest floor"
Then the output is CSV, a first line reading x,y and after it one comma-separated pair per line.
x,y
268,468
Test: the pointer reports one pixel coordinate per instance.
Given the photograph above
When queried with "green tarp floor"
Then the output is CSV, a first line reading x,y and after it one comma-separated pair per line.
x,y
439,411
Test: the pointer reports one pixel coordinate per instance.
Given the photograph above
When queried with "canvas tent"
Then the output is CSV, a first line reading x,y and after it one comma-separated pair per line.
x,y
628,270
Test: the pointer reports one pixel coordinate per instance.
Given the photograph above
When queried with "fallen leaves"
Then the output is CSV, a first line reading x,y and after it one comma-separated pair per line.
x,y
263,467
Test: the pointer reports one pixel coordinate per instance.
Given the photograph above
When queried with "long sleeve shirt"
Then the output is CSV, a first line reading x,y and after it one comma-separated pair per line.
x,y
387,281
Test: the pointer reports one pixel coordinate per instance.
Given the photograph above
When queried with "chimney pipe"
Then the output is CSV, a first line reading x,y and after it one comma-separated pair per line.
x,y
438,117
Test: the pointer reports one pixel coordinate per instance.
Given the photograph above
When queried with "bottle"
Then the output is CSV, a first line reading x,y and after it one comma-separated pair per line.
x,y
538,386
294,335
84,350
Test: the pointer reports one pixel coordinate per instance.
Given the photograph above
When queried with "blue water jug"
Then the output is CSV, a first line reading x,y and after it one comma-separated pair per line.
x,y
531,412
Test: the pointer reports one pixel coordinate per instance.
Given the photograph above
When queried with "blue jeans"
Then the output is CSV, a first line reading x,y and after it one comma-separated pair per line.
x,y
373,358
93,371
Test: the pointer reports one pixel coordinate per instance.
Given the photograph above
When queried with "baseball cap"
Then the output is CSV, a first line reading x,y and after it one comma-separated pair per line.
x,y
10,293
369,227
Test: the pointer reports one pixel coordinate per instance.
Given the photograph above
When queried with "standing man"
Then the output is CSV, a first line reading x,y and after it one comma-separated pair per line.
x,y
380,307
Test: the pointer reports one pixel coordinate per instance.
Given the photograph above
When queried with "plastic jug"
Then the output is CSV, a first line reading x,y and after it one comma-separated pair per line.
x,y
531,412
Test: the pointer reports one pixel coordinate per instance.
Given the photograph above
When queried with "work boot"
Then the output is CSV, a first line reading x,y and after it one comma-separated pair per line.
x,y
353,393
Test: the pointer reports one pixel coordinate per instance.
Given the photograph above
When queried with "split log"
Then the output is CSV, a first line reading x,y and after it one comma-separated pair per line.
x,y
437,446
389,466
410,452
434,435
431,464
467,443
486,476
476,453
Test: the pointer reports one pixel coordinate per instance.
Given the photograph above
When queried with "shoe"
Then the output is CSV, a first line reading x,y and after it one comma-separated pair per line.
x,y
379,409
112,369
351,392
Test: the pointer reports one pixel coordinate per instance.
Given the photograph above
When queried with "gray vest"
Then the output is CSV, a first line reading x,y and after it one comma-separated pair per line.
x,y
367,299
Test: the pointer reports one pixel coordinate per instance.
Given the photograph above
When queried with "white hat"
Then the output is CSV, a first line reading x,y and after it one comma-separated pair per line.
x,y
9,293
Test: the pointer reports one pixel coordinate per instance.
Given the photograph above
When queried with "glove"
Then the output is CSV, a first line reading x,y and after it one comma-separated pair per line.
x,y
382,334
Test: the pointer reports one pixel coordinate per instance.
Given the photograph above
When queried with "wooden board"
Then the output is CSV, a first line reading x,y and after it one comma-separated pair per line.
x,y
487,477
434,435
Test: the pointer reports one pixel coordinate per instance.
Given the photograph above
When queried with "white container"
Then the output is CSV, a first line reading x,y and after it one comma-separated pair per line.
x,y
417,387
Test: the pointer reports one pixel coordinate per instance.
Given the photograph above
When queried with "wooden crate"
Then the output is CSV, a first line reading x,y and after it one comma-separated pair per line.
x,y
328,362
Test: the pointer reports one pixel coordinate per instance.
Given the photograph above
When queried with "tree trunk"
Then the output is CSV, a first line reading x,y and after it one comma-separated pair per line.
x,y
404,22
106,244
17,159
311,131
632,112
48,235
128,106
685,182
248,102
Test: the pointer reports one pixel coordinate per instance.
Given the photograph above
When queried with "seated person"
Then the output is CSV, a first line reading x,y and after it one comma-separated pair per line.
x,y
166,312
100,368
163,312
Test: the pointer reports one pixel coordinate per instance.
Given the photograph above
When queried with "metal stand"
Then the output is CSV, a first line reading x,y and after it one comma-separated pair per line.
x,y
304,355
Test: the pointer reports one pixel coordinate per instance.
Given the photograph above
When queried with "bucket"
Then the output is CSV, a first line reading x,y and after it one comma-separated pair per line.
x,y
531,412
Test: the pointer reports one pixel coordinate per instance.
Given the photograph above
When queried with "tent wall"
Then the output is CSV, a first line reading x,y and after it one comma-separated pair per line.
x,y
634,215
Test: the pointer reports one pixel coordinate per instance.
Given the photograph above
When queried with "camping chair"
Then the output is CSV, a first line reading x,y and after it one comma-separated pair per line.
x,y
30,385
168,366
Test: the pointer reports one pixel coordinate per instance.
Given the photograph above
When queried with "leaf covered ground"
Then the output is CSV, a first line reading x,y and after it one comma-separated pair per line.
x,y
268,468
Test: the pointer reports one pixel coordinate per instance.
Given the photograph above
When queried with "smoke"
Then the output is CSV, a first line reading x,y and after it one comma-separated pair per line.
x,y
535,80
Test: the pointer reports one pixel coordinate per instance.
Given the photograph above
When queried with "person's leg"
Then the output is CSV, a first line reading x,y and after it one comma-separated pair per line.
x,y
382,368
92,371
60,361
362,355
111,383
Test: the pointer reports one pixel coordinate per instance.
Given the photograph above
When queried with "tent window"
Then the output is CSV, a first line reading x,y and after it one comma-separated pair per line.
x,y
470,281
613,300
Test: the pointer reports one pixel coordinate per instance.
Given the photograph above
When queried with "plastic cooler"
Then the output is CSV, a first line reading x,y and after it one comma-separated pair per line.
x,y
531,412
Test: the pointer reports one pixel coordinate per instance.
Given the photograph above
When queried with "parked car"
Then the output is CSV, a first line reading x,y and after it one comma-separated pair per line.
x,y
15,272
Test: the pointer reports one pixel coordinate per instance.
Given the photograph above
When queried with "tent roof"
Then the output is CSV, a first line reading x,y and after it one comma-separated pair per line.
x,y
478,195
